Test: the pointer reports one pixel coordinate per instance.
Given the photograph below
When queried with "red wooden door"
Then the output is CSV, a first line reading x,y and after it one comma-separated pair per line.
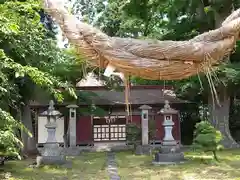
x,y
84,130
159,128
136,119
176,128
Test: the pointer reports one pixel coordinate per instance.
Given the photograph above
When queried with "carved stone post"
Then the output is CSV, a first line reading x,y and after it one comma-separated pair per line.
x,y
72,124
144,148
144,123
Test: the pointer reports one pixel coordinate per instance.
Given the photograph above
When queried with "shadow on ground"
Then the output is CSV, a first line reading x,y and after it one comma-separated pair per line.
x,y
89,166
198,167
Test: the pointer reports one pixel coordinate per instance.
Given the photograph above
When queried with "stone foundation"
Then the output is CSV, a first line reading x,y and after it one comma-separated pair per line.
x,y
75,151
71,151
51,160
170,158
143,150
170,149
169,155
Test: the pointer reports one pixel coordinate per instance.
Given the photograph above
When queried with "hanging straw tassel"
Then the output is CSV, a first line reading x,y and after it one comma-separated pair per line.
x,y
126,85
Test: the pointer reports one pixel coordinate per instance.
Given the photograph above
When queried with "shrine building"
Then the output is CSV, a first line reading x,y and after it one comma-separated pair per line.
x,y
90,129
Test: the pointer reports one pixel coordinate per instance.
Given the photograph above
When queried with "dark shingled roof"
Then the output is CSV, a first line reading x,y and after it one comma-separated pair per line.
x,y
137,96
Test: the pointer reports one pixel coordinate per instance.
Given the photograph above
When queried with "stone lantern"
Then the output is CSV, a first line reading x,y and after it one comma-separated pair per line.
x,y
170,152
168,124
51,153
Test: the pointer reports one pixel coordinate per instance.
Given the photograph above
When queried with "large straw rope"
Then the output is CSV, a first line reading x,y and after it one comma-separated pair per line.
x,y
149,59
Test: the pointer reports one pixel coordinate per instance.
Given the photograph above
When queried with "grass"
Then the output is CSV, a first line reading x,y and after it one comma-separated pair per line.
x,y
88,166
92,166
199,167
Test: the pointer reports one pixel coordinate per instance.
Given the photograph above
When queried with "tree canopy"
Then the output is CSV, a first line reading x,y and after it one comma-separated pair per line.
x,y
175,20
30,59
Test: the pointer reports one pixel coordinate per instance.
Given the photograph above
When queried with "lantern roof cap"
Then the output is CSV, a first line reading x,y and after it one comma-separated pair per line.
x,y
145,107
72,106
51,110
167,109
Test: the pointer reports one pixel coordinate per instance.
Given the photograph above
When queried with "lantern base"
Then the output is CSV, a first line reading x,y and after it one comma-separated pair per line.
x,y
169,143
51,149
169,155
51,160
143,150
168,158
51,154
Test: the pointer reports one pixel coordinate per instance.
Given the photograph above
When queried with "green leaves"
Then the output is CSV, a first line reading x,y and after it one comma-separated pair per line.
x,y
10,144
29,59
207,9
19,74
2,54
133,134
207,138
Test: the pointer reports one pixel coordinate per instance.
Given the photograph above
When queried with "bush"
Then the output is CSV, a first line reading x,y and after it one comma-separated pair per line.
x,y
134,133
207,138
10,144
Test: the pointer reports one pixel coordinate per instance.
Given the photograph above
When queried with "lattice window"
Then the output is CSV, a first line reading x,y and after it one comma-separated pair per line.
x,y
118,132
109,132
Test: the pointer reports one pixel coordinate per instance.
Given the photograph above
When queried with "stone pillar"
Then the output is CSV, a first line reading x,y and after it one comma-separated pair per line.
x,y
72,124
144,123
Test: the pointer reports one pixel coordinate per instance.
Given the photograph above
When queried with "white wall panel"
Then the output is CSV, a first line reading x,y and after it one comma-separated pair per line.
x,y
42,131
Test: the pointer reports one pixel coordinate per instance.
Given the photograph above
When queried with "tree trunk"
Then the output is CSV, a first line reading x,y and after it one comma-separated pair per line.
x,y
28,142
215,155
219,113
219,116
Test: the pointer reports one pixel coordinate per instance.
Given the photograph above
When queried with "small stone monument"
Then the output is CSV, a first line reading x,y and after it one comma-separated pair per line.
x,y
72,150
144,148
72,124
51,153
170,151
